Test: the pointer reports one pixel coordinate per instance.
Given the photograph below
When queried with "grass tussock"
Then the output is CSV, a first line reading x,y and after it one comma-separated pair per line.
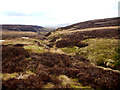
x,y
102,51
34,49
6,76
71,83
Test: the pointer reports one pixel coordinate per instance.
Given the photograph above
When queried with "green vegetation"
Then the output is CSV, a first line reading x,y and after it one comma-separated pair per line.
x,y
48,85
6,76
59,35
47,60
19,41
116,57
34,49
18,34
71,83
30,46
51,37
103,52
68,50
26,74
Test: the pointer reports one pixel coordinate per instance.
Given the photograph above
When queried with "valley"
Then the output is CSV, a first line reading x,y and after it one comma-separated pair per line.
x,y
85,55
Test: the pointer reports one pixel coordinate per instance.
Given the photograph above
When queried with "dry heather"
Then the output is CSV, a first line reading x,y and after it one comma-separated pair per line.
x,y
70,31
63,58
74,39
48,66
108,22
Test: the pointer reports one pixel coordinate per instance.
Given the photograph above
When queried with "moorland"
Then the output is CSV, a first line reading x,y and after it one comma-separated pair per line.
x,y
84,55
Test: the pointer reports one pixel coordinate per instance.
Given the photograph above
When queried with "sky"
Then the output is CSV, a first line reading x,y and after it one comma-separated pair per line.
x,y
55,12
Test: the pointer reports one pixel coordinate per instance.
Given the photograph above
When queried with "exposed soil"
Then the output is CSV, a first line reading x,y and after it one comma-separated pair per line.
x,y
48,64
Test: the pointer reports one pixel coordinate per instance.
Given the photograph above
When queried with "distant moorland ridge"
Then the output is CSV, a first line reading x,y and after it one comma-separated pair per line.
x,y
12,27
93,24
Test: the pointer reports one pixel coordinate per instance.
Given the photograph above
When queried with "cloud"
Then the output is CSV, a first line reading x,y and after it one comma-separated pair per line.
x,y
53,12
14,14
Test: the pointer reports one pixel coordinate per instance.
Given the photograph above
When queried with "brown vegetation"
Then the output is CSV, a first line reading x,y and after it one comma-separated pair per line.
x,y
75,38
93,24
19,34
14,59
46,65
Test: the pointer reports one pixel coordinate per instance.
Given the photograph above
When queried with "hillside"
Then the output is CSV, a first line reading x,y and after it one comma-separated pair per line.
x,y
93,24
17,31
83,55
94,42
31,28
100,28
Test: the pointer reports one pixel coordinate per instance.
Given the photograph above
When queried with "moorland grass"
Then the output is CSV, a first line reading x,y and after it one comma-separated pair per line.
x,y
34,49
18,34
100,51
30,41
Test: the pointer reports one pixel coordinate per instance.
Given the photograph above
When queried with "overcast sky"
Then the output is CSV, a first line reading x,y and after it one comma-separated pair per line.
x,y
54,12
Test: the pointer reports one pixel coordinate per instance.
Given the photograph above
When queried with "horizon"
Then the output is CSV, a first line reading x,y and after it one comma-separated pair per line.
x,y
59,25
52,13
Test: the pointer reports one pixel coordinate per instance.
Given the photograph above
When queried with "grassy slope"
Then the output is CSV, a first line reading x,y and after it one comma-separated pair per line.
x,y
102,37
100,51
69,31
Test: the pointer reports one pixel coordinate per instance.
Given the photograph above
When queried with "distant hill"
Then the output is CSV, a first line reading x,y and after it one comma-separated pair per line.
x,y
93,24
72,34
31,28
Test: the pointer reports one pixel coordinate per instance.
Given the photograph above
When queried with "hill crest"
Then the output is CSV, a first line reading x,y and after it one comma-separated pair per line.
x,y
15,27
106,22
